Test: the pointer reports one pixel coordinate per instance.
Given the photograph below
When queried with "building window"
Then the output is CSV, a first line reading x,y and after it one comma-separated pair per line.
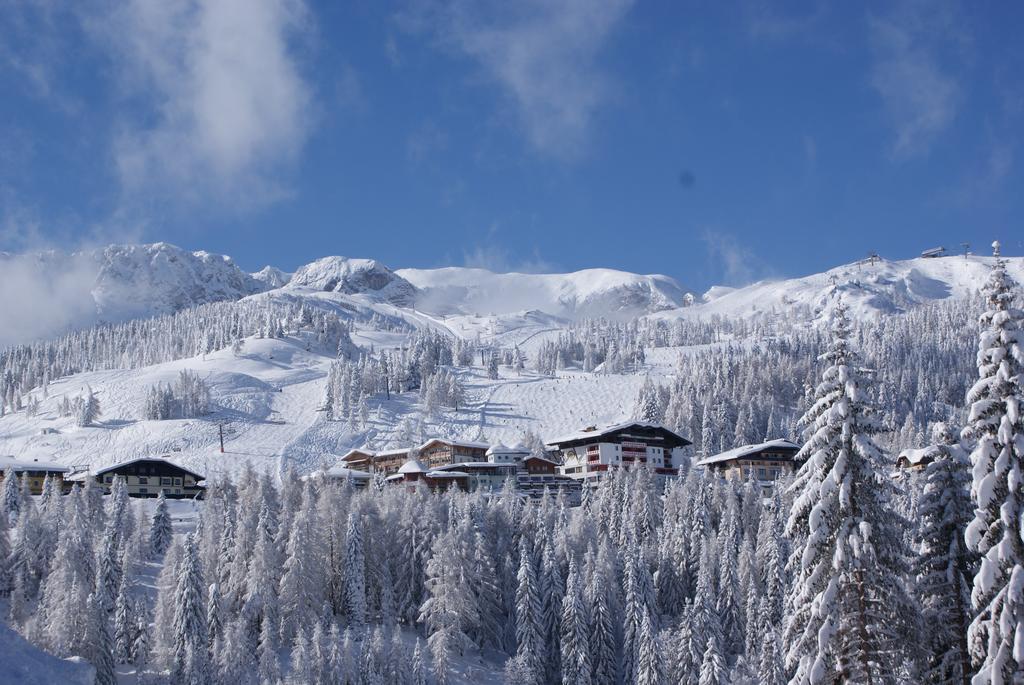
x,y
165,481
143,491
143,480
109,479
762,474
177,481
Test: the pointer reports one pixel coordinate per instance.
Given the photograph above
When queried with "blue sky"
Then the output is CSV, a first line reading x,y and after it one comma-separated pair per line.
x,y
714,142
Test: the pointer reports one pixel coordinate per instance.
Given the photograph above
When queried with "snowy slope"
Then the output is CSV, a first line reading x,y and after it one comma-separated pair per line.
x,y
869,289
268,398
587,293
268,395
23,664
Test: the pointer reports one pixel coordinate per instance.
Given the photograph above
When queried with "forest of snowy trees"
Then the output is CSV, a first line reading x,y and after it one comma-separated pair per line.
x,y
845,573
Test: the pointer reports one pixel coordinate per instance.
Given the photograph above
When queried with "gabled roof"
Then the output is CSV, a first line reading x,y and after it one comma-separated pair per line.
x,y
447,474
593,433
357,454
158,460
505,449
360,454
455,443
545,459
749,450
342,472
19,465
916,457
458,466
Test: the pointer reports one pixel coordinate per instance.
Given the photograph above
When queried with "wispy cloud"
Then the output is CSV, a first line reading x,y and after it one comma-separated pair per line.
x,y
735,263
498,259
921,94
224,104
543,55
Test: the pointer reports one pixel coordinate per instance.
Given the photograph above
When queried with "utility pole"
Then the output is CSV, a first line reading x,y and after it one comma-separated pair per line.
x,y
220,427
967,249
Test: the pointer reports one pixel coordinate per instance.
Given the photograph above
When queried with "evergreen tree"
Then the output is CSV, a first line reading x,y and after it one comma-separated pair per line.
x,y
944,565
648,669
160,532
189,659
849,613
355,573
712,667
574,639
529,643
996,636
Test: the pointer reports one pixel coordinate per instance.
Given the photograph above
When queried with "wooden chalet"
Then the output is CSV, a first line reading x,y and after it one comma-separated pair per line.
x,y
765,462
33,472
148,476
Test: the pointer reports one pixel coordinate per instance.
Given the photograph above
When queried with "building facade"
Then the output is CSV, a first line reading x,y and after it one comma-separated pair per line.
x,y
765,462
33,472
590,453
148,476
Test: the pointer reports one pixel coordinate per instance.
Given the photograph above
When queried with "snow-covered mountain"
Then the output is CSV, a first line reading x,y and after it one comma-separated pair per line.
x,y
48,293
869,289
134,280
354,277
588,293
271,390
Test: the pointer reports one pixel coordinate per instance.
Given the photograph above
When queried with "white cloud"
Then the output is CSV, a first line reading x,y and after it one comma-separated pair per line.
x,y
494,257
921,95
737,264
215,104
543,54
39,301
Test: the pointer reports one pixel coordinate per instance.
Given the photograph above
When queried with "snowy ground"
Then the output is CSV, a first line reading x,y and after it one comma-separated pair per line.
x,y
267,397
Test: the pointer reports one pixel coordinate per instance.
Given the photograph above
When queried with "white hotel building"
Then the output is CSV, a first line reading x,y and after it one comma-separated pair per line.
x,y
591,452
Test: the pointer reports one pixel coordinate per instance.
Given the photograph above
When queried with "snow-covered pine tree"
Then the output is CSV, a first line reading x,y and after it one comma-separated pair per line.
x,y
996,425
355,573
712,667
850,617
574,643
602,641
529,643
101,643
944,565
648,667
160,532
88,408
10,496
6,570
189,656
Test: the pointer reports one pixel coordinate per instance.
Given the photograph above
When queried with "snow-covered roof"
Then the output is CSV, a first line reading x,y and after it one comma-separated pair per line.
x,y
542,458
747,450
412,466
353,455
19,465
505,449
916,457
342,472
106,469
595,432
474,465
447,474
455,443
